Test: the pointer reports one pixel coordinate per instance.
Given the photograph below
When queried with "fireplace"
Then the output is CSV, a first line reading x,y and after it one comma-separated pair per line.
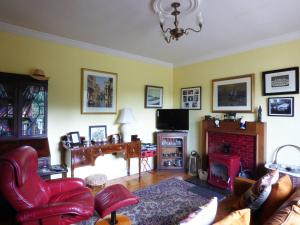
x,y
223,168
248,144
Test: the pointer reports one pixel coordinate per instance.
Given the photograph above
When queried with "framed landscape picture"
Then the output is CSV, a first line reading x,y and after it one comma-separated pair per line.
x,y
283,81
281,106
191,98
97,133
98,92
233,94
153,96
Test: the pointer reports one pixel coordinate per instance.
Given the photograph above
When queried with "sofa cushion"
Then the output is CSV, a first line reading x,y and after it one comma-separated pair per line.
x,y
239,217
205,215
257,194
288,213
280,192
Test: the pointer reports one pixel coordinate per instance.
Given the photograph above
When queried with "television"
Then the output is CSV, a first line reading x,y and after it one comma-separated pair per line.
x,y
172,119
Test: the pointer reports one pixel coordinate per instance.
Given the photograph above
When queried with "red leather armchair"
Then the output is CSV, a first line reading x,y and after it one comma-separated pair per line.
x,y
58,201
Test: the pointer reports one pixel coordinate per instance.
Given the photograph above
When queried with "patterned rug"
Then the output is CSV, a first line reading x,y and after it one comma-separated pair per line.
x,y
166,203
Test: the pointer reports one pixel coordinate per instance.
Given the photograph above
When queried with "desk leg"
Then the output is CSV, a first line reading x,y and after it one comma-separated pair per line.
x,y
72,171
128,167
139,168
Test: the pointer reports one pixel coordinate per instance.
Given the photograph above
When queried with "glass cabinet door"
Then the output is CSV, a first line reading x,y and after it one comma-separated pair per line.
x,y
7,111
33,110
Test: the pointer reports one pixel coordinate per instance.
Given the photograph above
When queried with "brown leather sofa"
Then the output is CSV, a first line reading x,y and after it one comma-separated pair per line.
x,y
288,210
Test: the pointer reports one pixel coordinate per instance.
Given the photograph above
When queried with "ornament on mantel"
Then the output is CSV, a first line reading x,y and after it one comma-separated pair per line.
x,y
259,114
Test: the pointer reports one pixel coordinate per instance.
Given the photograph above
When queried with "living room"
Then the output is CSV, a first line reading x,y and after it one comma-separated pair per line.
x,y
62,59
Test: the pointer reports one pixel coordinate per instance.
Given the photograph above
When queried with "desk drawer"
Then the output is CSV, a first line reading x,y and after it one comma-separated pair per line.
x,y
133,149
81,157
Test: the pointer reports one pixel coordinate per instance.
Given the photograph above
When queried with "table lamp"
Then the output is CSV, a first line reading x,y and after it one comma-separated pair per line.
x,y
126,118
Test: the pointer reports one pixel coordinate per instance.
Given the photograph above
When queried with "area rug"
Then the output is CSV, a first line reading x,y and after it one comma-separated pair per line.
x,y
166,203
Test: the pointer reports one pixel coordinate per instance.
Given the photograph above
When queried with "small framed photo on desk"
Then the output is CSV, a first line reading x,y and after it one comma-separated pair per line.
x,y
74,138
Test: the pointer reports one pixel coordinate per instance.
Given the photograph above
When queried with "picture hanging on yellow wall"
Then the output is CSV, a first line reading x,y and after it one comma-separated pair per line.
x,y
98,92
153,96
191,98
283,81
233,94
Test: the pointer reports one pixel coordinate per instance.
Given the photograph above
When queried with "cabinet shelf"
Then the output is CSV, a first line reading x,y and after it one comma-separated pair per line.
x,y
14,124
171,150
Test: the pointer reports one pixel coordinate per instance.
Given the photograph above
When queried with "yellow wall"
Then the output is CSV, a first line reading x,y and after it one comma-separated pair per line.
x,y
62,63
21,54
280,130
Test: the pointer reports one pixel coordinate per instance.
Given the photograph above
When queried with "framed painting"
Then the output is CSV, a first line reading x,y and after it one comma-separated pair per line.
x,y
98,133
233,94
283,81
281,106
153,96
98,92
191,98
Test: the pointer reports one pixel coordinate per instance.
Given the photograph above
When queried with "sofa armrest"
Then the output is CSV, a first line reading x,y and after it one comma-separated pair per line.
x,y
241,185
64,184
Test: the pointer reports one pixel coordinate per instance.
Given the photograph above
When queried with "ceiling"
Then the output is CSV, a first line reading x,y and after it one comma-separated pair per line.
x,y
132,27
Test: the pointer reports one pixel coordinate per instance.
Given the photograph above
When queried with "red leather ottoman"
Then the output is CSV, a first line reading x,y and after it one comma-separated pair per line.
x,y
109,200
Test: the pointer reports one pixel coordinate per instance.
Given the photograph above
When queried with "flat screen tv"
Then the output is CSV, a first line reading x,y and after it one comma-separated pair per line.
x,y
172,119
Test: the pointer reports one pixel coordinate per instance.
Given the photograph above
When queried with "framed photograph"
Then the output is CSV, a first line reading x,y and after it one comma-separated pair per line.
x,y
282,106
98,133
153,96
74,138
233,94
283,81
98,92
191,98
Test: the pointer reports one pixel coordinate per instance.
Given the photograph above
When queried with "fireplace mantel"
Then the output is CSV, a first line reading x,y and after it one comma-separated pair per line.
x,y
254,130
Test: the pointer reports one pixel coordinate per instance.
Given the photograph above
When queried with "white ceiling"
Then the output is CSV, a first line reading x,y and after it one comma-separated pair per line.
x,y
131,26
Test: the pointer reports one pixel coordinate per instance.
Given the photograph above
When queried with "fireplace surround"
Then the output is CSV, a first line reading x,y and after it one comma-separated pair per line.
x,y
249,144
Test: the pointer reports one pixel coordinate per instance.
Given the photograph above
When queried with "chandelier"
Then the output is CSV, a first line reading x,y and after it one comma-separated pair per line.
x,y
176,32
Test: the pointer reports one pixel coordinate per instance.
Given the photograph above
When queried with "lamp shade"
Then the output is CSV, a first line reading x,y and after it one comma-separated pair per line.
x,y
125,116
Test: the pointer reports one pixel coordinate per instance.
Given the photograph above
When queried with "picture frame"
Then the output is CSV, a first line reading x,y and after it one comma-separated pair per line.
x,y
153,96
98,133
233,94
282,81
98,92
74,138
281,106
191,98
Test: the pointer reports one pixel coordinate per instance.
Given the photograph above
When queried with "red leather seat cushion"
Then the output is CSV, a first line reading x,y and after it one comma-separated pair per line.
x,y
113,198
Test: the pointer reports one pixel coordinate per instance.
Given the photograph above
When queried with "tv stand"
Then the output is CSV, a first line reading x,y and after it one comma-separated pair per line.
x,y
171,150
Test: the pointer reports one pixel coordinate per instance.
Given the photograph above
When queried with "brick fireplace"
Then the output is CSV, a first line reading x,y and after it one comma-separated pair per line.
x,y
248,144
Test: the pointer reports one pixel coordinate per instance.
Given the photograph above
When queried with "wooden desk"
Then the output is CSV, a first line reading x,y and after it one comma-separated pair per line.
x,y
86,155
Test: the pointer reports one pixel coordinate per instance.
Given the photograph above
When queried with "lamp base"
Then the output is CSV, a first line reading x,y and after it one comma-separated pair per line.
x,y
126,132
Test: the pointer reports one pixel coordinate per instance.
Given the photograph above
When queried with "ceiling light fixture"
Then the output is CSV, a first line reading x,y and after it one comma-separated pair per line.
x,y
176,32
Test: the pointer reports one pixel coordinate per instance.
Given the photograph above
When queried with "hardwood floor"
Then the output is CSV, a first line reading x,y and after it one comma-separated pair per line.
x,y
133,183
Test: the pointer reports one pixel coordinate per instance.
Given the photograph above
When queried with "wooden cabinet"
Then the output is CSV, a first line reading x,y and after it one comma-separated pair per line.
x,y
23,107
171,150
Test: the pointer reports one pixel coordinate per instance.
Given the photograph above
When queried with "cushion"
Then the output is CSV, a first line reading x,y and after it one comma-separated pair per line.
x,y
205,215
280,192
257,194
288,213
239,217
